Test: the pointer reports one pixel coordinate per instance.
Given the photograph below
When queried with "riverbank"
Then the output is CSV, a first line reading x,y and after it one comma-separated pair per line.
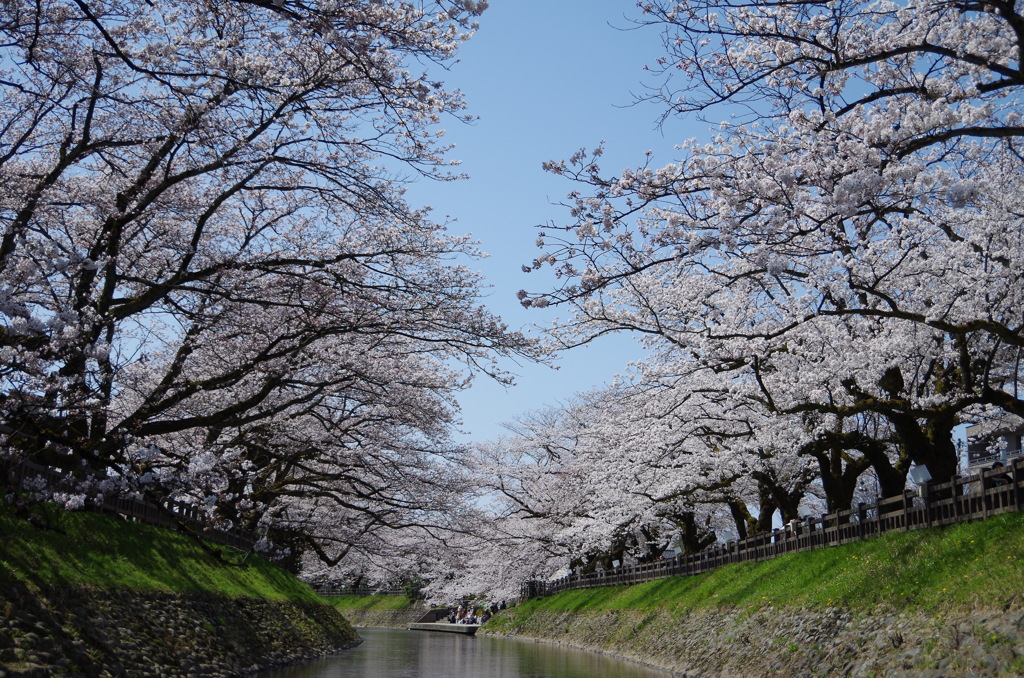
x,y
786,642
382,612
90,595
925,604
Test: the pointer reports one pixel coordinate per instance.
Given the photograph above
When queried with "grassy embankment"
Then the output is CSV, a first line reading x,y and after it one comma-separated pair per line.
x,y
394,612
370,603
964,567
103,552
961,567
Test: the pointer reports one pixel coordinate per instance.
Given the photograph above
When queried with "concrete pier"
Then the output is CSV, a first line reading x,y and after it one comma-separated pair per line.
x,y
445,627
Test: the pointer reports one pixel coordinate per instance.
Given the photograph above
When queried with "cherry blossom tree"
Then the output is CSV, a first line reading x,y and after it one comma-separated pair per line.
x,y
211,285
666,459
847,244
593,483
829,285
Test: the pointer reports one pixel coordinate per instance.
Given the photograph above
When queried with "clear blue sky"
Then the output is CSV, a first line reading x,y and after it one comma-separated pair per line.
x,y
546,77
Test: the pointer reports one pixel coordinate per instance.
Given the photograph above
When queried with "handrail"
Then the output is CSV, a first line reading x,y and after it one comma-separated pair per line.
x,y
327,591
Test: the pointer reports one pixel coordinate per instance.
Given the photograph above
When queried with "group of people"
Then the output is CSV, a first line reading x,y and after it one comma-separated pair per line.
x,y
471,615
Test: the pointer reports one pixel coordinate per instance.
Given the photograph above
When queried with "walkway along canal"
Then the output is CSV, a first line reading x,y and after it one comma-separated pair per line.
x,y
389,653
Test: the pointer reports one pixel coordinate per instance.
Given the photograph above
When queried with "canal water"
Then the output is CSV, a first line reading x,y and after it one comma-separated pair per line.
x,y
387,653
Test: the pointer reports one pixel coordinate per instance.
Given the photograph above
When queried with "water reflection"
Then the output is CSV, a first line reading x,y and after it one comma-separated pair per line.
x,y
387,653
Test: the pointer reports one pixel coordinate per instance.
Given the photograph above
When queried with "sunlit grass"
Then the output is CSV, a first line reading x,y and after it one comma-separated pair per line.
x,y
105,552
968,566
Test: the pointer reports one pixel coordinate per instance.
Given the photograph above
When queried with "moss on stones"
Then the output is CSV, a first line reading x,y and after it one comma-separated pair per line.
x,y
89,632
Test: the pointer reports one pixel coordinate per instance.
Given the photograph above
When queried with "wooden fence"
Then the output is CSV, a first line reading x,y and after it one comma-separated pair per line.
x,y
327,591
170,514
963,499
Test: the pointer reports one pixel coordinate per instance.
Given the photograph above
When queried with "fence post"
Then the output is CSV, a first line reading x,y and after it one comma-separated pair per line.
x,y
1015,471
926,495
986,485
956,500
878,516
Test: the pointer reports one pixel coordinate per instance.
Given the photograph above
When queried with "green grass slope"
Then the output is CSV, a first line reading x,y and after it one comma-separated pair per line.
x,y
59,549
370,603
964,567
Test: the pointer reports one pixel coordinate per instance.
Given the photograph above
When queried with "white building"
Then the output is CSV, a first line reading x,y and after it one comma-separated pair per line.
x,y
995,439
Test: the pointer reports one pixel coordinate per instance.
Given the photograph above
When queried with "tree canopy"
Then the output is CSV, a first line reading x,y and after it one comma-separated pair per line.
x,y
830,283
211,285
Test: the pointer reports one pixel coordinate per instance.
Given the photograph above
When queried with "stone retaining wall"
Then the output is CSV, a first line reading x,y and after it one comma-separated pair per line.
x,y
792,643
82,632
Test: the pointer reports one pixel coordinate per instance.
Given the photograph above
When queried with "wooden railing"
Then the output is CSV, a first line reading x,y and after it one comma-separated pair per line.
x,y
963,499
170,514
340,590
